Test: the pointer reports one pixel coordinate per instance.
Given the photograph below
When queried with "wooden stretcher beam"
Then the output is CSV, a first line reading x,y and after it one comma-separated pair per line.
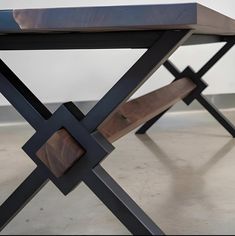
x,y
61,151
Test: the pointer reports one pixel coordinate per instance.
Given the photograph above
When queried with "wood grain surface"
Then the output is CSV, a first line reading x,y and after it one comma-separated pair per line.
x,y
138,111
118,18
61,151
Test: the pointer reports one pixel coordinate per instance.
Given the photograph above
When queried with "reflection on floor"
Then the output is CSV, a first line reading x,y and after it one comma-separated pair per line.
x,y
181,173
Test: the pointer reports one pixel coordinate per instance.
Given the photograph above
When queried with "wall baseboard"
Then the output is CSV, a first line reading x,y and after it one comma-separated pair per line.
x,y
222,101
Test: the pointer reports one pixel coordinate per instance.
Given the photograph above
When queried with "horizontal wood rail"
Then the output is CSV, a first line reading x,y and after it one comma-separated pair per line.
x,y
61,151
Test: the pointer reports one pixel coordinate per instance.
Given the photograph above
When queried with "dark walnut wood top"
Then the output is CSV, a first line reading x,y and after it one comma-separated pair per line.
x,y
118,18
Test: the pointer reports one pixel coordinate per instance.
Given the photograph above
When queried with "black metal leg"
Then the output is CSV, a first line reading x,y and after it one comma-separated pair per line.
x,y
215,58
118,201
24,101
97,179
216,114
200,98
172,68
135,77
22,195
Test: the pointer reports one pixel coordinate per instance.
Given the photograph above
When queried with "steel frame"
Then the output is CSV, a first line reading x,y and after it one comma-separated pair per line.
x,y
197,95
83,128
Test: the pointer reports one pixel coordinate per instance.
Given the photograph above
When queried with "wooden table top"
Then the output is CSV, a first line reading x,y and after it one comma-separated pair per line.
x,y
118,18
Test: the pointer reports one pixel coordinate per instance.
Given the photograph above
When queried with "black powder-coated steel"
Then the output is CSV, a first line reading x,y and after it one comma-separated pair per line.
x,y
197,93
82,128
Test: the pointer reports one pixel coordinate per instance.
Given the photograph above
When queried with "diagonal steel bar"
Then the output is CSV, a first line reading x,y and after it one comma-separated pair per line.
x,y
36,113
136,76
201,99
24,101
22,195
121,205
215,58
216,114
172,68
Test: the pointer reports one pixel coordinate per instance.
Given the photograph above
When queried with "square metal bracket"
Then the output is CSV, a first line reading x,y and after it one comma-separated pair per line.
x,y
96,147
201,84
83,129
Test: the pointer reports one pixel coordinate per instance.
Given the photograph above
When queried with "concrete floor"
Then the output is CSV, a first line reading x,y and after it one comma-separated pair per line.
x,y
182,174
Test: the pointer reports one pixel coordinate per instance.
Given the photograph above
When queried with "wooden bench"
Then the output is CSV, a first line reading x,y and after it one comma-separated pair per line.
x,y
68,146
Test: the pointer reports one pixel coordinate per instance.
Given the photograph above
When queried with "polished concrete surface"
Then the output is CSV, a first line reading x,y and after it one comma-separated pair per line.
x,y
182,174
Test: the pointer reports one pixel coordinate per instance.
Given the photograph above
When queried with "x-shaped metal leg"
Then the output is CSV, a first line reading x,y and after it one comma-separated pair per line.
x,y
197,77
83,130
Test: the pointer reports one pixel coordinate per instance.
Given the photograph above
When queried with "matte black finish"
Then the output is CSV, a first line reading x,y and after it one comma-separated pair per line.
x,y
96,148
172,69
22,98
21,196
216,57
216,114
201,84
197,94
105,188
83,130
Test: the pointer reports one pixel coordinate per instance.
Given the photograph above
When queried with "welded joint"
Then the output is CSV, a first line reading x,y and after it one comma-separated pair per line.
x,y
201,84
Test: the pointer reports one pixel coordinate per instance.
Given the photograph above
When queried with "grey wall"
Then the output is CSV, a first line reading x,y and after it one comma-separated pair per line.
x,y
59,76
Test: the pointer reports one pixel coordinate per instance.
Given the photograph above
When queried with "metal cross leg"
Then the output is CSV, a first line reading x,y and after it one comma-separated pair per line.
x,y
197,78
85,137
